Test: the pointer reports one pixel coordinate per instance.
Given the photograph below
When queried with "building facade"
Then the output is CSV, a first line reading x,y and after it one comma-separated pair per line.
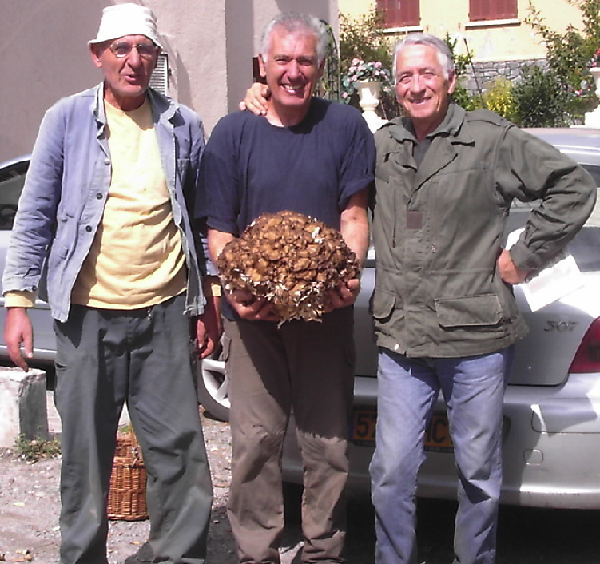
x,y
209,48
494,31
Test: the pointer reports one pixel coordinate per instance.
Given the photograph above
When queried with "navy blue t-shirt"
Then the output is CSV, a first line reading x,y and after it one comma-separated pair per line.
x,y
251,167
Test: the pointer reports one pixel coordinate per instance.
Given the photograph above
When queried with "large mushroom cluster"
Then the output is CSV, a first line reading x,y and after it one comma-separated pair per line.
x,y
291,260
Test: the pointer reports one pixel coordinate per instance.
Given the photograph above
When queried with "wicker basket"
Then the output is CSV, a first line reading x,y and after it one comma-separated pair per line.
x,y
127,491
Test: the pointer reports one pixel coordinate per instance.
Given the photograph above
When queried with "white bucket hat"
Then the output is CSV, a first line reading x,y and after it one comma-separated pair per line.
x,y
126,19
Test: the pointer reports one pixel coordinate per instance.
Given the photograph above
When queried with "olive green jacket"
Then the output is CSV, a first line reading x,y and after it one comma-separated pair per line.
x,y
438,231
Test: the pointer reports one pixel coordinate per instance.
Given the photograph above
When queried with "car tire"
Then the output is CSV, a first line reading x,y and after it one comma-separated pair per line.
x,y
212,388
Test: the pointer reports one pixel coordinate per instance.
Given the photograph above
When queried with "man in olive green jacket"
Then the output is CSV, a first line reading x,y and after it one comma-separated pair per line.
x,y
444,309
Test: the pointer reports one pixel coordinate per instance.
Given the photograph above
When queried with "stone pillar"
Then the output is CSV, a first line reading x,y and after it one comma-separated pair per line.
x,y
22,405
368,93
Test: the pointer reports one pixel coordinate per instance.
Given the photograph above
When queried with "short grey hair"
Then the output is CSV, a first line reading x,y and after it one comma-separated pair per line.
x,y
445,57
293,22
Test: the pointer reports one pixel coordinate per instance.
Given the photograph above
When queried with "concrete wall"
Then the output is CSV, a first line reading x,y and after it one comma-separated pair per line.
x,y
210,43
43,56
489,41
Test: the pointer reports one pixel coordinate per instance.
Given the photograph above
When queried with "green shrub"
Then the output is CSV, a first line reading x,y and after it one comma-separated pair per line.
x,y
539,99
464,99
499,98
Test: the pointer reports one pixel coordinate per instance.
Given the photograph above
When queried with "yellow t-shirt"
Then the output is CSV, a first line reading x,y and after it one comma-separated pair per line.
x,y
136,259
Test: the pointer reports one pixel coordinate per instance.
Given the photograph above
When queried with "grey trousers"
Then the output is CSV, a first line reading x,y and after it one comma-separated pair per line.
x,y
307,368
142,357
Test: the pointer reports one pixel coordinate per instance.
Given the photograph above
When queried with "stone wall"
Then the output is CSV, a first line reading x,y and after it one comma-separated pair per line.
x,y
482,74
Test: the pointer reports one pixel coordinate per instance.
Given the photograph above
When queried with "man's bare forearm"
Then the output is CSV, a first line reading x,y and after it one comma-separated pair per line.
x,y
354,225
216,241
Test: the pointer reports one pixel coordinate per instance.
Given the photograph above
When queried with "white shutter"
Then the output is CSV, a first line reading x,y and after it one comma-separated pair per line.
x,y
160,77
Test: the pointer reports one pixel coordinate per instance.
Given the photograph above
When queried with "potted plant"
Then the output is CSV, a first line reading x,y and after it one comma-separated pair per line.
x,y
365,76
594,66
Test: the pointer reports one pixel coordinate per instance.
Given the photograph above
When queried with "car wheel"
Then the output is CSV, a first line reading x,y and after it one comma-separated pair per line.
x,y
213,387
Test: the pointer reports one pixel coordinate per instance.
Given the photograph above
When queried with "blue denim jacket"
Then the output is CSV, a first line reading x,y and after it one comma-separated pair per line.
x,y
66,187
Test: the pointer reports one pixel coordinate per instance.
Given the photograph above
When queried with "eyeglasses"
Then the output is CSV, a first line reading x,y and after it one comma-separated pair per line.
x,y
123,49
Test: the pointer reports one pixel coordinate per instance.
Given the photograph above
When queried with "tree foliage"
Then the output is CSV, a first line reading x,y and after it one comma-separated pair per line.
x,y
364,38
462,63
569,54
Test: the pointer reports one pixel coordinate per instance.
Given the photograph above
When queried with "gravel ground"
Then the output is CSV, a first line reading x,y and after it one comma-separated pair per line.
x,y
29,506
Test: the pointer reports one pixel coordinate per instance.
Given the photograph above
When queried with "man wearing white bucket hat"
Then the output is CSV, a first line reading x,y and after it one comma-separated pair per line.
x,y
105,211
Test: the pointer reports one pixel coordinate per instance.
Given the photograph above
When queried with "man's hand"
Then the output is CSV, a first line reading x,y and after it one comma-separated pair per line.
x,y
18,331
256,99
209,328
250,307
508,270
243,302
345,294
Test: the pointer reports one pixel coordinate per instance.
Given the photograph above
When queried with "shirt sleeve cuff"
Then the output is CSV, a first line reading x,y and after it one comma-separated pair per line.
x,y
19,299
212,286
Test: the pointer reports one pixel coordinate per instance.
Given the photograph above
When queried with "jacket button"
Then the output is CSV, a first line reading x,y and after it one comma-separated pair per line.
x,y
88,228
99,196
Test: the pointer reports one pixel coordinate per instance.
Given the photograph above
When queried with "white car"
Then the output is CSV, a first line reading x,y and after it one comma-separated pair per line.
x,y
552,404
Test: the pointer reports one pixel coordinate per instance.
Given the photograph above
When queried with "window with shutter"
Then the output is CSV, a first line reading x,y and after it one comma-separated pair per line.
x,y
484,10
399,13
160,77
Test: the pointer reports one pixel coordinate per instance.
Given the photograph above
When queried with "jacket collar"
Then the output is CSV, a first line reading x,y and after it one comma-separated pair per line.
x,y
451,132
401,129
98,109
163,108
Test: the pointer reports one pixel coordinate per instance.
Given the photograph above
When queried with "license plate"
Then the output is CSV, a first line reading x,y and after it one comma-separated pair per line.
x,y
437,435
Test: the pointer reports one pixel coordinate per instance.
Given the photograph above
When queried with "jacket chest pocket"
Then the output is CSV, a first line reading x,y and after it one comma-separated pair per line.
x,y
389,164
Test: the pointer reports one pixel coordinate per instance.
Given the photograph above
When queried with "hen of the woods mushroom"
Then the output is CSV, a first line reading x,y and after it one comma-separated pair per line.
x,y
291,260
